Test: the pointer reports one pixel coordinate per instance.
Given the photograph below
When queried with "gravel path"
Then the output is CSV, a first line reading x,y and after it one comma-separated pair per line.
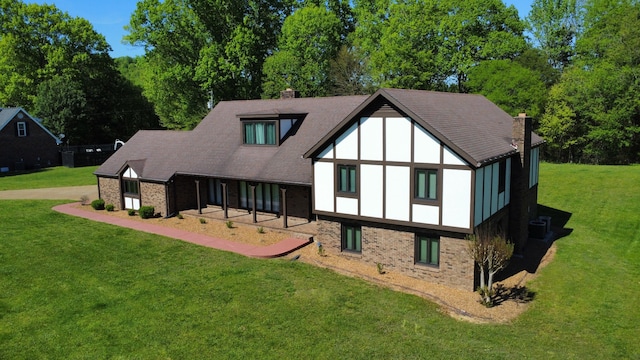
x,y
58,193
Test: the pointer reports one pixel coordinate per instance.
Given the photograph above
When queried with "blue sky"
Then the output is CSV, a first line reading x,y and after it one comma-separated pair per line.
x,y
110,17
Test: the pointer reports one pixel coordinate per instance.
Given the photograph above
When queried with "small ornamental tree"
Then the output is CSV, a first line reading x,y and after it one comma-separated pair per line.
x,y
491,252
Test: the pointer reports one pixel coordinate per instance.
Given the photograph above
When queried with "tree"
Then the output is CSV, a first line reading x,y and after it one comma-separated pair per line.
x,y
593,115
39,42
491,252
348,74
555,24
196,49
511,86
60,102
310,40
59,68
429,44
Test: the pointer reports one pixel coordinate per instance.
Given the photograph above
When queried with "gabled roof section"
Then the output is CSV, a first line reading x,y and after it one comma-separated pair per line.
x,y
153,155
215,147
8,114
470,125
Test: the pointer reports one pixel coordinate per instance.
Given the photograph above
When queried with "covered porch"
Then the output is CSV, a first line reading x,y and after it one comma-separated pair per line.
x,y
295,225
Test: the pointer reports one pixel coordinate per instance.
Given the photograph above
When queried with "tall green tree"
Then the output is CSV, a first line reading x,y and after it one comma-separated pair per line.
x,y
39,42
555,25
430,44
196,49
348,73
310,40
511,86
594,115
59,68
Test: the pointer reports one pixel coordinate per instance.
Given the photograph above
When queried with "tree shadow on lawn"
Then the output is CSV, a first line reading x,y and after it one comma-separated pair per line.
x,y
532,256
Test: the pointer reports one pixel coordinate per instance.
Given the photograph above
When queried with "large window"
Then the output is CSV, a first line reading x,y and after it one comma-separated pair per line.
x,y
260,133
267,196
347,178
131,187
427,250
22,128
426,184
351,238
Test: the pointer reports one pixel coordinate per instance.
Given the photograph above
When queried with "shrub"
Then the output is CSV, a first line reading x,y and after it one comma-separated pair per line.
x,y
260,230
109,207
380,267
146,212
84,199
131,212
203,221
179,216
98,204
229,224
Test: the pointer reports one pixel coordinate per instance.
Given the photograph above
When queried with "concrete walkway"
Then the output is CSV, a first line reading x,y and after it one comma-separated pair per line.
x,y
282,248
58,193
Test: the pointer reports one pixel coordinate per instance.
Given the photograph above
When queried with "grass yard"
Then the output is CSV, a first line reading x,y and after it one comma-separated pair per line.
x,y
49,177
71,288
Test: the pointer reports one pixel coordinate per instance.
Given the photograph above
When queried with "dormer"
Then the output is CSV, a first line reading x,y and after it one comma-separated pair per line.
x,y
269,128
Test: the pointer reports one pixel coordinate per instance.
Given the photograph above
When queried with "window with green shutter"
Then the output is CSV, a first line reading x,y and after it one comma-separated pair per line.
x,y
351,238
426,184
427,250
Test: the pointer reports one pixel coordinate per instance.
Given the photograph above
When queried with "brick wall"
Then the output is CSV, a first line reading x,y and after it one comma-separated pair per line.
x,y
110,191
394,248
154,194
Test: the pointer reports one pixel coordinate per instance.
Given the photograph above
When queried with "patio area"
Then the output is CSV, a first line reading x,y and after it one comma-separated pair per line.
x,y
299,227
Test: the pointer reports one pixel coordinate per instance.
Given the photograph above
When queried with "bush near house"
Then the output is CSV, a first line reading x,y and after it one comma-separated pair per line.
x,y
147,212
98,204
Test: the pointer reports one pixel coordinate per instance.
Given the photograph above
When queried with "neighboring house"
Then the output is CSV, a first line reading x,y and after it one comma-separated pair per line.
x,y
25,143
398,178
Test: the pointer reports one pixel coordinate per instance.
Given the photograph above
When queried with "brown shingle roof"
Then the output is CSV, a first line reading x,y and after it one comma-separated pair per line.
x,y
151,153
214,148
471,125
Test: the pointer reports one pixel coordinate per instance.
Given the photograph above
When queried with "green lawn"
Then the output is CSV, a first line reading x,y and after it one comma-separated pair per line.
x,y
49,177
71,288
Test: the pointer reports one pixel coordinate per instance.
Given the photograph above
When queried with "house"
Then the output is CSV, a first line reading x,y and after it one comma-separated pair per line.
x,y
398,178
24,142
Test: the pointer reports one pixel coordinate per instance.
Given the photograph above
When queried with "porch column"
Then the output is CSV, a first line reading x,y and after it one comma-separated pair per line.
x,y
224,200
253,202
283,201
198,196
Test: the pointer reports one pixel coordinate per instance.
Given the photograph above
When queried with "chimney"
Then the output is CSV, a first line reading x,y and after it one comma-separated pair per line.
x,y
289,93
521,207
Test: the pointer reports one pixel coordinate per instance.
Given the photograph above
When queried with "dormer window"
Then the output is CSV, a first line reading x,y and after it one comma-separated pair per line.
x,y
260,132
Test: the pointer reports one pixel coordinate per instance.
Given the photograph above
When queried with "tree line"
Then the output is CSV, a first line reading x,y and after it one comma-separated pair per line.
x,y
570,64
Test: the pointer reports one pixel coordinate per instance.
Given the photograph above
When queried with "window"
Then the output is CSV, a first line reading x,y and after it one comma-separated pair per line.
x,y
351,238
131,187
267,196
502,176
427,250
260,133
347,178
22,129
426,184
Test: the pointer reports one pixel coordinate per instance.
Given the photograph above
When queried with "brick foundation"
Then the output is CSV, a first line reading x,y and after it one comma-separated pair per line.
x,y
394,248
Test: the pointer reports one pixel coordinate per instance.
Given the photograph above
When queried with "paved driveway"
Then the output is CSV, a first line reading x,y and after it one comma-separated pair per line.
x,y
59,193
